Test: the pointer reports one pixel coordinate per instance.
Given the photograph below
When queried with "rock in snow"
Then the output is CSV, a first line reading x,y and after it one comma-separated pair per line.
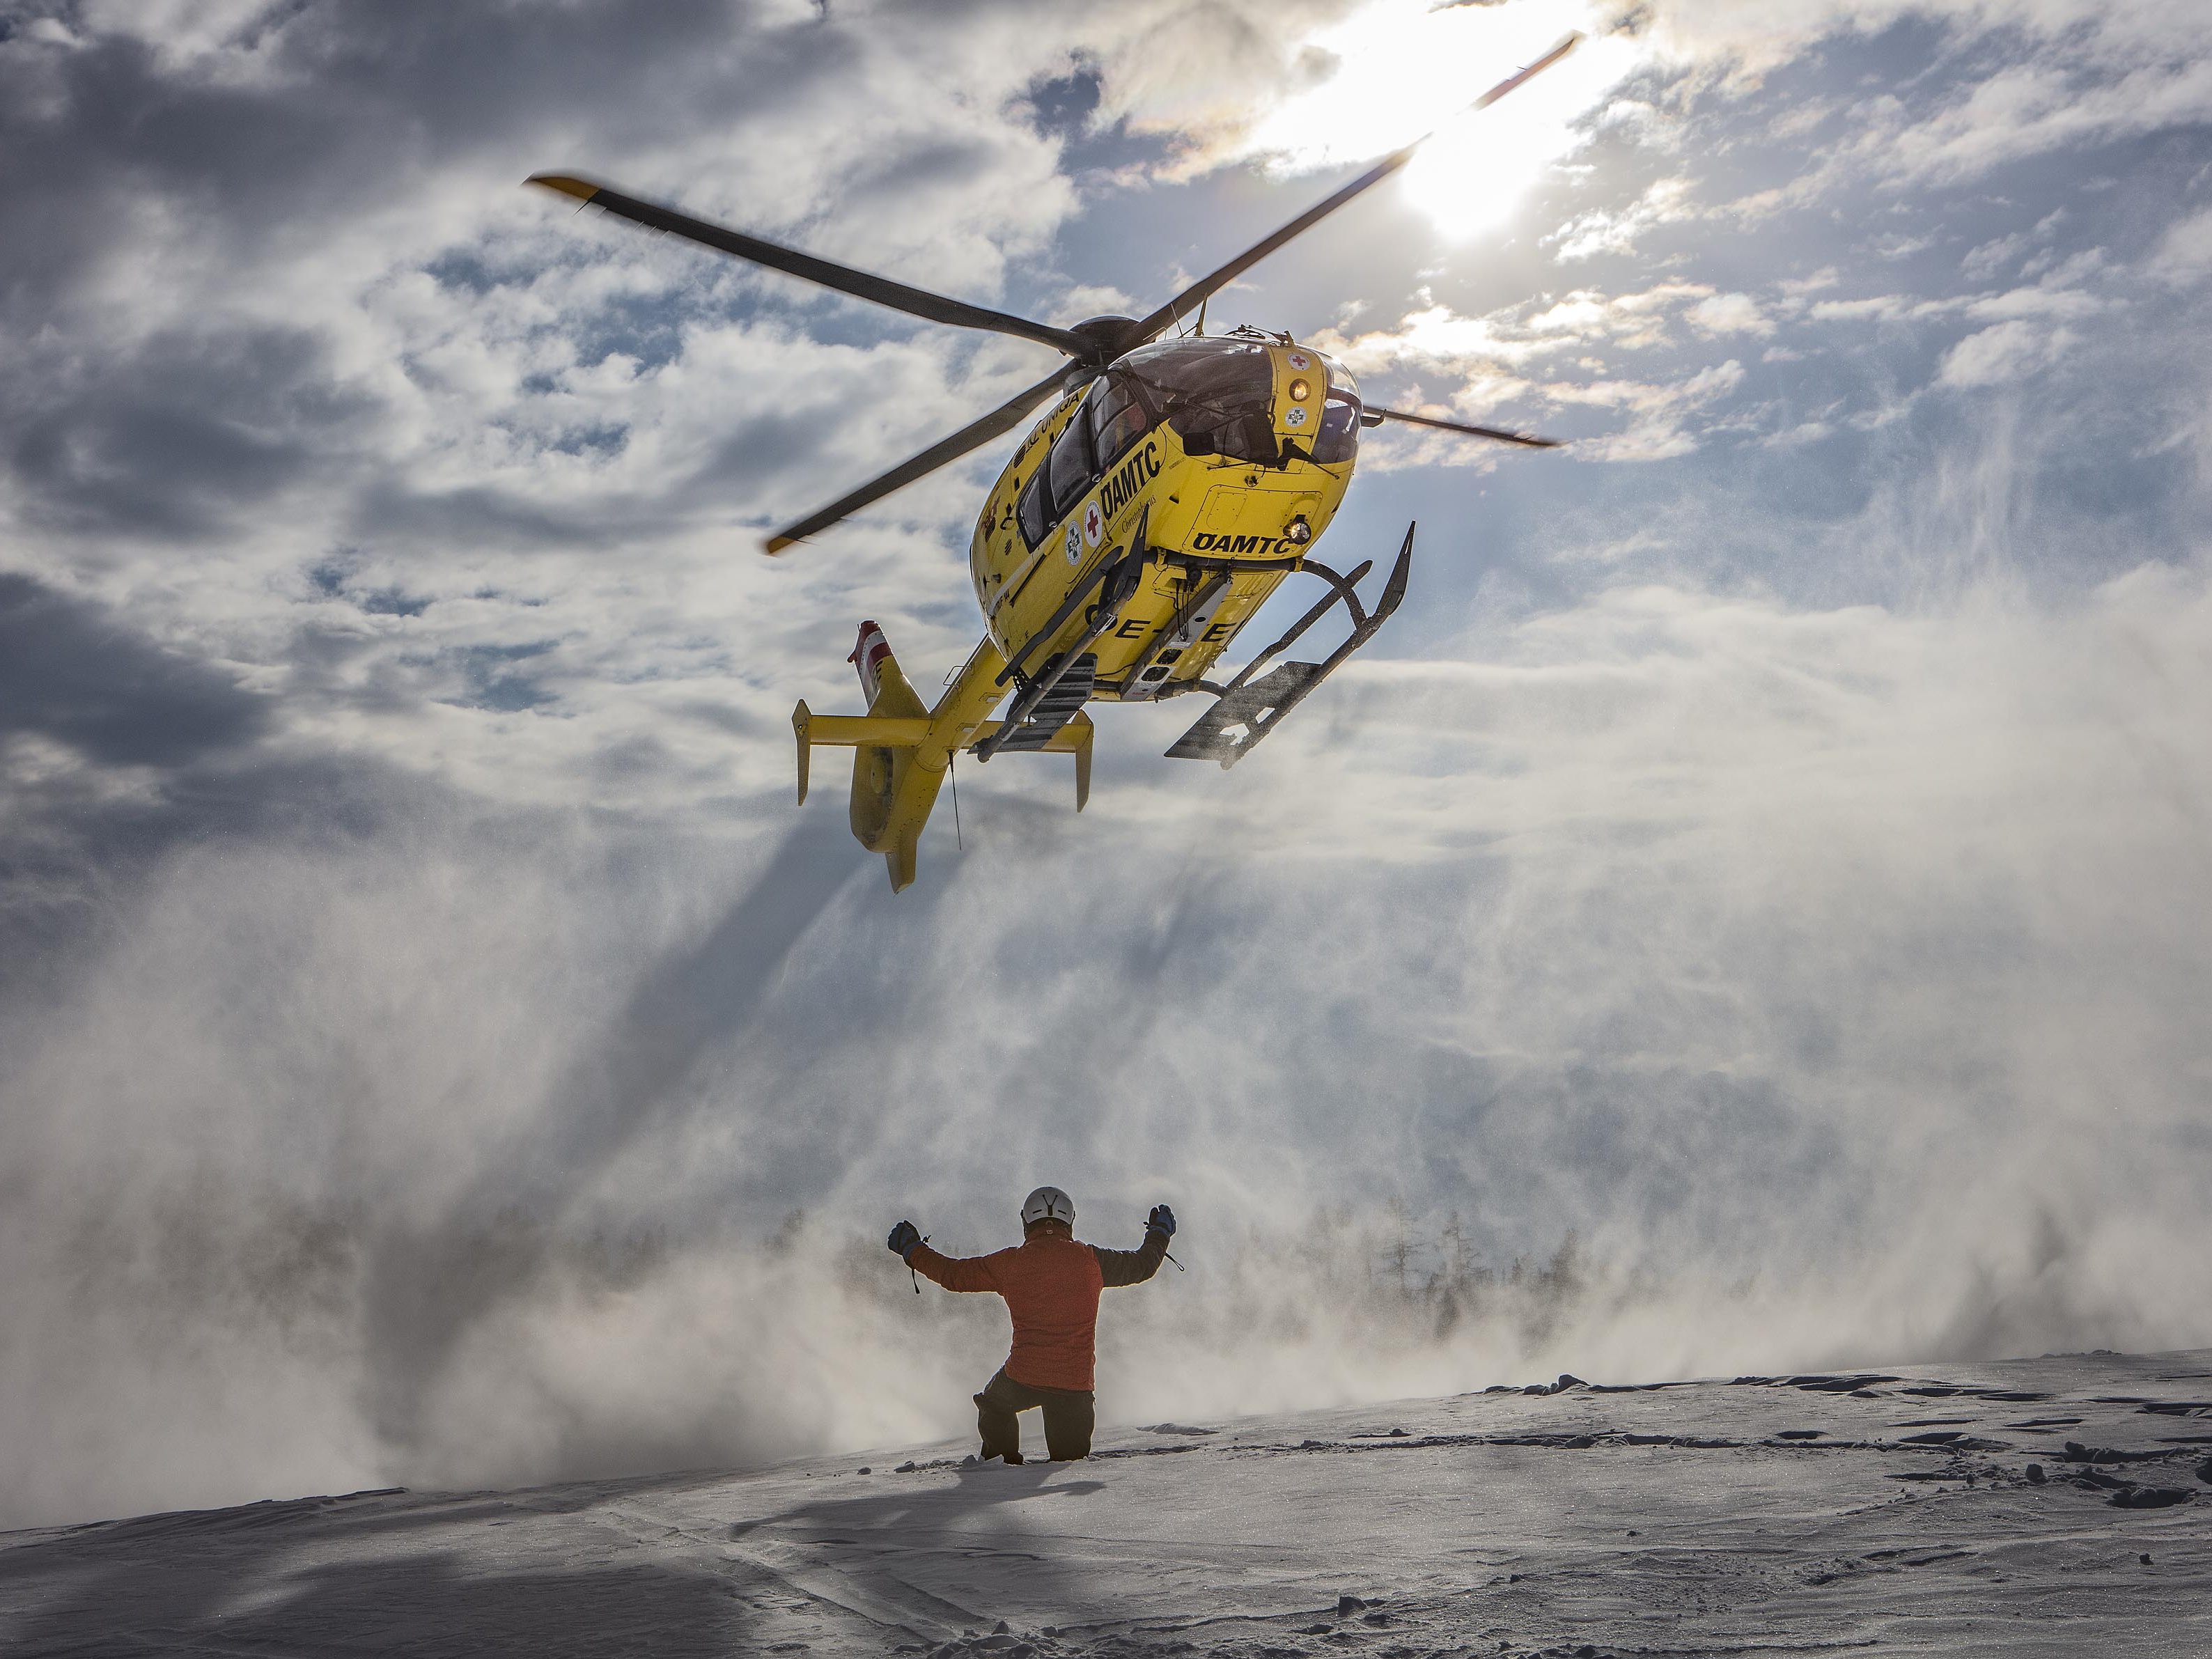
x,y
1595,1522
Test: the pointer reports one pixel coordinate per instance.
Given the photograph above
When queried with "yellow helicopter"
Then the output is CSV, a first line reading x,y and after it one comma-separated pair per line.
x,y
1139,526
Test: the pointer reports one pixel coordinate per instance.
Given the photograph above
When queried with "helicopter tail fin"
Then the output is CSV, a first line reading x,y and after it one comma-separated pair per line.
x,y
881,682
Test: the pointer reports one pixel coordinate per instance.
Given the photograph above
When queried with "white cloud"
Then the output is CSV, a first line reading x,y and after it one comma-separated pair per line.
x,y
1896,246
1796,287
1880,307
2032,109
1805,432
1729,314
2020,79
1998,357
1986,260
1501,358
1618,230
1658,429
1434,336
2184,256
2035,302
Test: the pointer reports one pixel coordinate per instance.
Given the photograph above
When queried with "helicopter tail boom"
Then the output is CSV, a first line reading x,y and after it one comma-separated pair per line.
x,y
902,751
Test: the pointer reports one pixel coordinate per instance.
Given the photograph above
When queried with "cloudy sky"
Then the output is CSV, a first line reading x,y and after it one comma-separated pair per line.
x,y
1771,842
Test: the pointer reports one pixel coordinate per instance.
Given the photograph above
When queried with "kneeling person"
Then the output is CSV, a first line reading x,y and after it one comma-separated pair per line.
x,y
1051,1284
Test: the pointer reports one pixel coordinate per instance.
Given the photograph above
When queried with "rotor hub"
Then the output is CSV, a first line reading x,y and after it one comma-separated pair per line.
x,y
1106,335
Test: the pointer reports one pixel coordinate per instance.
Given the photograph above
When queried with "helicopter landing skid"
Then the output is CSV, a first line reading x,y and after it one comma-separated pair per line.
x,y
1246,709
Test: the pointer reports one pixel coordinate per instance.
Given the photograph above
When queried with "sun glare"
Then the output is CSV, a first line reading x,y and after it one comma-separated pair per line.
x,y
1405,67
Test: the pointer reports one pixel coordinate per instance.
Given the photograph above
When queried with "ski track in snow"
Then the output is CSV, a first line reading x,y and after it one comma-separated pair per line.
x,y
1881,1512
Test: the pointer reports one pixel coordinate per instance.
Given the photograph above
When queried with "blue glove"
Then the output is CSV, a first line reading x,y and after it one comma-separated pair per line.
x,y
1162,1221
905,1240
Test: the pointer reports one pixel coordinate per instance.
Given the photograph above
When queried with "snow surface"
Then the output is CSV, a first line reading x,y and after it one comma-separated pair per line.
x,y
1891,1513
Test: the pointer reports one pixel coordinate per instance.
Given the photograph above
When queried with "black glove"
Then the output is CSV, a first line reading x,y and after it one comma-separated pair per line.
x,y
906,1239
1162,1221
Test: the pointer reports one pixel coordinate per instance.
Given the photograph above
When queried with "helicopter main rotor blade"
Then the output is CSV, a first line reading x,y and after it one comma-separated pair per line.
x,y
1003,419
914,302
1375,414
1146,328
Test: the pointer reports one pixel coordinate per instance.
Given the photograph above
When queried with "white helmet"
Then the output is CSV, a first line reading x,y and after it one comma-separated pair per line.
x,y
1047,1203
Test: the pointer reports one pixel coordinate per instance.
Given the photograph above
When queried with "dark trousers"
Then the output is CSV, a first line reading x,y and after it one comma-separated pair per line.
x,y
1069,1415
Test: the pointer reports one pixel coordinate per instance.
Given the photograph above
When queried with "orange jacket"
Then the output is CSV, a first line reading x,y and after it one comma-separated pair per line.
x,y
1051,1285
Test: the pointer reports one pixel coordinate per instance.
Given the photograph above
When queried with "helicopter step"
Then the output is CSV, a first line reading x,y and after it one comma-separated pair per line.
x,y
1045,703
1246,708
1058,706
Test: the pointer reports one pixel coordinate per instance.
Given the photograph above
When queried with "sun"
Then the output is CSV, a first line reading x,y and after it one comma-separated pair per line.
x,y
1408,67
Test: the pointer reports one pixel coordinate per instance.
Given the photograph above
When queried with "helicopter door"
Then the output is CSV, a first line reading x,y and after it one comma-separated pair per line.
x,y
1070,465
1034,511
1118,419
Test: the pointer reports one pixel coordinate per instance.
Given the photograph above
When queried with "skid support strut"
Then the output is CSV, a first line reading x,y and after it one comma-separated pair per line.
x,y
1249,707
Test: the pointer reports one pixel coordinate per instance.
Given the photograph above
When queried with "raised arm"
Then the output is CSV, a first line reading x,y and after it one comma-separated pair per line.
x,y
954,1273
971,1273
1120,1267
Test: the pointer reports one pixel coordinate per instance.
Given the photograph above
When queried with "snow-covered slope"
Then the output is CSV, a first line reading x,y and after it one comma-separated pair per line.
x,y
1899,1513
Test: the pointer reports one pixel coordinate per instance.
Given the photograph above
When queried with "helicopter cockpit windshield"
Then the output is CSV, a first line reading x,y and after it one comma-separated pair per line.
x,y
1337,439
1217,394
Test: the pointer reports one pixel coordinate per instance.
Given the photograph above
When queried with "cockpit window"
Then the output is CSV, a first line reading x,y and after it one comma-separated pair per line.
x,y
1070,466
1118,418
1217,395
1338,438
1208,367
1033,512
1067,473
